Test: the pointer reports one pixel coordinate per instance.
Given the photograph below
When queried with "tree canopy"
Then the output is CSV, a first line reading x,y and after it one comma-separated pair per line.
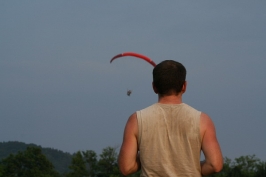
x,y
32,162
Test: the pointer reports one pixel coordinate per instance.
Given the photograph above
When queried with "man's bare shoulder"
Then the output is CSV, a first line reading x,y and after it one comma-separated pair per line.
x,y
206,124
205,119
132,124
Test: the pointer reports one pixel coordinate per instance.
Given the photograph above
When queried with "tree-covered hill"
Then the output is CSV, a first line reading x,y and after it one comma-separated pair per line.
x,y
61,160
17,158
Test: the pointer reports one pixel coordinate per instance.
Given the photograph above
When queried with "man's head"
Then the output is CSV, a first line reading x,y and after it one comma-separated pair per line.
x,y
169,77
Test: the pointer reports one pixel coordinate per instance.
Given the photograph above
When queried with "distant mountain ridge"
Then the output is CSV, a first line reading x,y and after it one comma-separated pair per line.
x,y
61,160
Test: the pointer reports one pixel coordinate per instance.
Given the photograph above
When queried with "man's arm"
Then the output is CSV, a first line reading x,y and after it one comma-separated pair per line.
x,y
213,162
128,159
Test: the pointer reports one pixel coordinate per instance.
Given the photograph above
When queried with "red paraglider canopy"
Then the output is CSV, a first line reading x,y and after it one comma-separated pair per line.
x,y
134,55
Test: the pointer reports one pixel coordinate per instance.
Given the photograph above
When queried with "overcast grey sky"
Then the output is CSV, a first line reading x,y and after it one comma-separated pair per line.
x,y
59,90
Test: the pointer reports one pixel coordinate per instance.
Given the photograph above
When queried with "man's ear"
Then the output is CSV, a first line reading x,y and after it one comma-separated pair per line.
x,y
184,87
154,88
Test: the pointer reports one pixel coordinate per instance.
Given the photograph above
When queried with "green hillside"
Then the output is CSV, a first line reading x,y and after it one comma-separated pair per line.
x,y
61,160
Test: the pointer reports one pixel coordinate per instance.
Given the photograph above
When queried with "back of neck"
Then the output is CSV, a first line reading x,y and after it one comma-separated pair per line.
x,y
171,99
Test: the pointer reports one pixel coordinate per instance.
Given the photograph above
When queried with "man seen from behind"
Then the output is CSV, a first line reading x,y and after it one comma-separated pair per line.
x,y
166,139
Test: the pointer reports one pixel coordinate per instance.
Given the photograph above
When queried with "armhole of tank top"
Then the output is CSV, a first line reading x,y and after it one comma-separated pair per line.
x,y
139,127
198,122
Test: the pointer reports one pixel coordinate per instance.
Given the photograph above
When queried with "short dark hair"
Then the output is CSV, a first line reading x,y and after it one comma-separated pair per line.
x,y
169,77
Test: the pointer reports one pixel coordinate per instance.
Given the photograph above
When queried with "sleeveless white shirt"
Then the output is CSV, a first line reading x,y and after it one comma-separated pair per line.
x,y
169,140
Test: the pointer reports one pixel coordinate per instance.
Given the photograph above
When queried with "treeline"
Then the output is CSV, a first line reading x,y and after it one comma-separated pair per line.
x,y
33,163
60,160
244,166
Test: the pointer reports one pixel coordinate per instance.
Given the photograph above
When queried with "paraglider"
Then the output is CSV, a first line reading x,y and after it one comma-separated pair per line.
x,y
129,92
143,57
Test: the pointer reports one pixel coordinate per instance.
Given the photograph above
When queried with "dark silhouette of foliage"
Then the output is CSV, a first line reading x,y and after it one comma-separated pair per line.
x,y
78,166
59,159
30,163
28,160
90,158
108,162
86,164
244,166
261,169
